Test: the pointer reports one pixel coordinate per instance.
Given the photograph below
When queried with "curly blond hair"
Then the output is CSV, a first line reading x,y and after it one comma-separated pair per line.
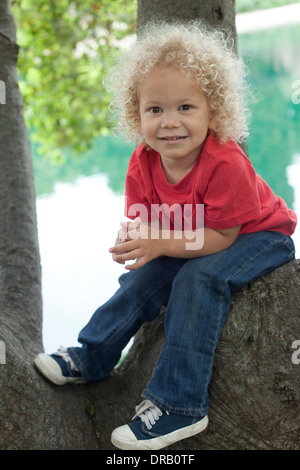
x,y
204,54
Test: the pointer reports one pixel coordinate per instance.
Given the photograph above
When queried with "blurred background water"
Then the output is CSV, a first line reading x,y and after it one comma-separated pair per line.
x,y
80,203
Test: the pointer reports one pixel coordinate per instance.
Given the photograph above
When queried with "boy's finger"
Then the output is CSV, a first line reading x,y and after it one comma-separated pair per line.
x,y
138,264
124,225
122,248
122,235
132,255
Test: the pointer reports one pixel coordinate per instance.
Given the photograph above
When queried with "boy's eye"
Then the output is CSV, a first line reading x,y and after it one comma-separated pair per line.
x,y
185,107
155,109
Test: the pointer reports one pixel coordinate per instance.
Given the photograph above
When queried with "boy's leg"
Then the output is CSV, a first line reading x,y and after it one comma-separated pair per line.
x,y
196,313
139,299
177,396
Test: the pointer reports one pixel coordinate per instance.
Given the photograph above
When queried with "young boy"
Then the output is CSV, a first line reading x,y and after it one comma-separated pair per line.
x,y
180,91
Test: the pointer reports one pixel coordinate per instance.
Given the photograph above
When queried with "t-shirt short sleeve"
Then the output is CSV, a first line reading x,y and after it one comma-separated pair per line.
x,y
232,196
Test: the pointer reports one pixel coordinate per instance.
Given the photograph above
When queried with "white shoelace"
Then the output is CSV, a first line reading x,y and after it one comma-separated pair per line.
x,y
148,413
66,357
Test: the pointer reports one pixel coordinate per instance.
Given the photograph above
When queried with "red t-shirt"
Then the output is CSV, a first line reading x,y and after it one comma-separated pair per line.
x,y
222,179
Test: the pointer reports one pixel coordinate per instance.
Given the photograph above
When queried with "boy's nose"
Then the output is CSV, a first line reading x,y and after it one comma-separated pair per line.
x,y
169,120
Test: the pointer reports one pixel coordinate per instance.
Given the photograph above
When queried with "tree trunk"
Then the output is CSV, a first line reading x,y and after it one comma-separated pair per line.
x,y
216,13
255,392
20,277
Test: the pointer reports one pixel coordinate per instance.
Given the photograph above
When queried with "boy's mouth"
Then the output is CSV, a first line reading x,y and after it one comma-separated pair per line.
x,y
173,139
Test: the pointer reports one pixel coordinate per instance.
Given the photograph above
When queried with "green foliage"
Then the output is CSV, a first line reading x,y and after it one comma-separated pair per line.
x,y
66,50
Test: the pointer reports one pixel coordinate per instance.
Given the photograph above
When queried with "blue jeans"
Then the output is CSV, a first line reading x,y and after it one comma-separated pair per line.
x,y
197,294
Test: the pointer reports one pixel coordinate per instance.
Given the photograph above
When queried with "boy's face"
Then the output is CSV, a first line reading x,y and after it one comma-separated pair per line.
x,y
174,115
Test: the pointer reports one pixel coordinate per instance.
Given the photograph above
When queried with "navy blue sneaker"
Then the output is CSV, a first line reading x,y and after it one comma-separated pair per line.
x,y
153,428
58,367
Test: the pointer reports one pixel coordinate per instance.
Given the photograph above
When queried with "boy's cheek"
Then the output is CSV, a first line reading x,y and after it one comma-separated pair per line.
x,y
212,123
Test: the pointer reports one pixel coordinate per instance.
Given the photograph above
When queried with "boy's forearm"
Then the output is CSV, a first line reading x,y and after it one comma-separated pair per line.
x,y
198,243
145,243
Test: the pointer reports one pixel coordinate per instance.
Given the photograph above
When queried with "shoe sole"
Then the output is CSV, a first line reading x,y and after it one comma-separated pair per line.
x,y
51,370
129,442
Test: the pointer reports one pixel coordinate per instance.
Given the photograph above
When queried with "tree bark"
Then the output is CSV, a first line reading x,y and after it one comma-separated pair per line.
x,y
20,274
255,392
218,13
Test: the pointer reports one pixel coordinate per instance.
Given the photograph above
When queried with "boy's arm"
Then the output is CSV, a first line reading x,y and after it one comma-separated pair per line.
x,y
147,244
202,242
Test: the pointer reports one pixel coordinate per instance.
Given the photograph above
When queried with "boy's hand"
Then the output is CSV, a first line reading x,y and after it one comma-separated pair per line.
x,y
144,243
121,238
135,242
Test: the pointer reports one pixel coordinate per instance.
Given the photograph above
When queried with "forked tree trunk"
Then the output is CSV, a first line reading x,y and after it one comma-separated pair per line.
x,y
255,391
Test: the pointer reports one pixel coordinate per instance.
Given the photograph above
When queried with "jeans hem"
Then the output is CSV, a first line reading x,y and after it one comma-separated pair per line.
x,y
75,358
195,413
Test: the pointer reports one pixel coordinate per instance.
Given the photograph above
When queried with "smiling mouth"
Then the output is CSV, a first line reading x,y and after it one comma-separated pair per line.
x,y
173,139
